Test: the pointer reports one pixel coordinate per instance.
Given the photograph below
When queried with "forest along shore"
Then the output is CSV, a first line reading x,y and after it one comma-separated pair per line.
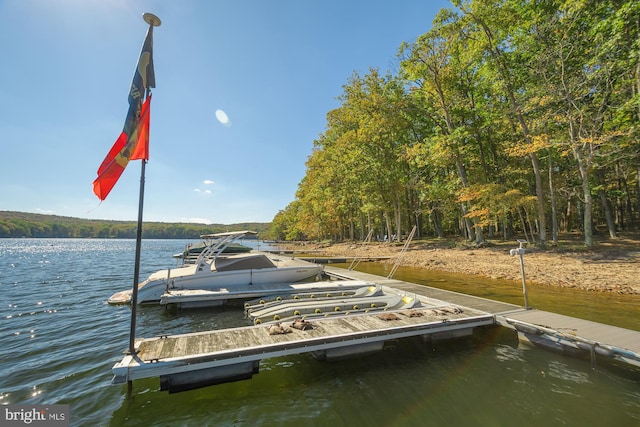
x,y
611,266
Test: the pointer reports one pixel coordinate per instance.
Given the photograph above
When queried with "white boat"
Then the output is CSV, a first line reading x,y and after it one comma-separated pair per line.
x,y
214,270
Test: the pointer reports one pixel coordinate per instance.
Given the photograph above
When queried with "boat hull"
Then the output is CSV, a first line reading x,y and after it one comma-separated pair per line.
x,y
151,290
233,280
202,298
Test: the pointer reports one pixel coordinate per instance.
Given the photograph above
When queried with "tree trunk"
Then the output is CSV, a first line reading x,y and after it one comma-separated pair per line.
x,y
606,206
638,192
436,219
398,209
586,193
631,224
468,226
568,214
524,224
608,214
526,215
479,234
542,236
554,212
388,224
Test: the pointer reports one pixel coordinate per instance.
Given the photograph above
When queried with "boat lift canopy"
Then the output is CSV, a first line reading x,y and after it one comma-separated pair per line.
x,y
235,234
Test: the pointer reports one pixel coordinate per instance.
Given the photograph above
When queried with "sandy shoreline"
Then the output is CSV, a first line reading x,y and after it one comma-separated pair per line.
x,y
612,267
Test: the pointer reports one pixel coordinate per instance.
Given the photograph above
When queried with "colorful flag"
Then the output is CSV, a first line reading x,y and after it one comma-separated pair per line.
x,y
133,142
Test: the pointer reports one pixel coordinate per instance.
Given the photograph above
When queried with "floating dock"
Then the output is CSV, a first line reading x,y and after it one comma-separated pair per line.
x,y
552,331
189,361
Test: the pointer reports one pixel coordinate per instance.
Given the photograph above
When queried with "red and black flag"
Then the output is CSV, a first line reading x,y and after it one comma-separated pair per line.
x,y
133,142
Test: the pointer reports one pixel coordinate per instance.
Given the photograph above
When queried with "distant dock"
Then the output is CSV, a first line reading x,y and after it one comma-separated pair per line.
x,y
189,361
318,256
341,260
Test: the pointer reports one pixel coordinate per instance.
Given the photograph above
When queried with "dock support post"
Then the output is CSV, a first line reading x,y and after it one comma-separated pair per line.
x,y
593,355
520,251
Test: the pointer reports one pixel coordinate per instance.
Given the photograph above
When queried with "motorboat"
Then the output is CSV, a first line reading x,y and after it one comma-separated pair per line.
x,y
214,269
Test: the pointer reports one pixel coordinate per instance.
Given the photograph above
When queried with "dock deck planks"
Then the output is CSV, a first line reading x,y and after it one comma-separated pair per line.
x,y
565,326
225,341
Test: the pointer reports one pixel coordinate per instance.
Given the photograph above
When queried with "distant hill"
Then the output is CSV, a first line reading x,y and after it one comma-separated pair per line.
x,y
22,224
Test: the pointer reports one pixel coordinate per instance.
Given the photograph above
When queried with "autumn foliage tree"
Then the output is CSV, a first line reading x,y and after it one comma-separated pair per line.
x,y
506,116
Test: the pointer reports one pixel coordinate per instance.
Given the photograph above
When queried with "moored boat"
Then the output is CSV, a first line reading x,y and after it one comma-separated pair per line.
x,y
214,269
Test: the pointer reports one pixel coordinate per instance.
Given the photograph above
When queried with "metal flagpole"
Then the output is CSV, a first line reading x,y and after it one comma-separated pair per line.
x,y
136,271
153,21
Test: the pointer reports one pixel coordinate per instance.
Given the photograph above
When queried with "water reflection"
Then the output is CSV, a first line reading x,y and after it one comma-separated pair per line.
x,y
487,380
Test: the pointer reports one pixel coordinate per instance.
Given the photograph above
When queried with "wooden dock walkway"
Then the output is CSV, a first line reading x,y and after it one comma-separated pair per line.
x,y
195,360
477,303
550,330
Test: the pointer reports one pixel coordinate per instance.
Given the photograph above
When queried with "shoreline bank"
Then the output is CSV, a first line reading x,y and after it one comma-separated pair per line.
x,y
613,266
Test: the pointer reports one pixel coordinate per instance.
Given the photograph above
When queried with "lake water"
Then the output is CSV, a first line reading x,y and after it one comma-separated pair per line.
x,y
59,340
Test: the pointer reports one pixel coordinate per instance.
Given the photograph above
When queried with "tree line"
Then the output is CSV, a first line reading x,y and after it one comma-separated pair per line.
x,y
20,224
506,117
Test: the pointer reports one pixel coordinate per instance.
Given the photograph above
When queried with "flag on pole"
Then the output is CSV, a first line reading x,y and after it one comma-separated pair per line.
x,y
133,142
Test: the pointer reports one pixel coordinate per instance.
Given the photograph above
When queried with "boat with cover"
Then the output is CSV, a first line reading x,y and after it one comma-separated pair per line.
x,y
214,270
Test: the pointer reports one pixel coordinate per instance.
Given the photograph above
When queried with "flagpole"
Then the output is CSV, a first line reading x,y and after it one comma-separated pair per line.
x,y
153,21
136,271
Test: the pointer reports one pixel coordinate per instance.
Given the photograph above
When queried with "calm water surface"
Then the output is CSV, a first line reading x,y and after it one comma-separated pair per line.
x,y
59,340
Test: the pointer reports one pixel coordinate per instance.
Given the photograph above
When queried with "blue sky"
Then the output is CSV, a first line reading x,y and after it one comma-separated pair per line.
x,y
274,67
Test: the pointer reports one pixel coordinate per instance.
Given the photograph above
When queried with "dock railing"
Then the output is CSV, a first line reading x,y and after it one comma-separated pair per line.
x,y
402,252
357,259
